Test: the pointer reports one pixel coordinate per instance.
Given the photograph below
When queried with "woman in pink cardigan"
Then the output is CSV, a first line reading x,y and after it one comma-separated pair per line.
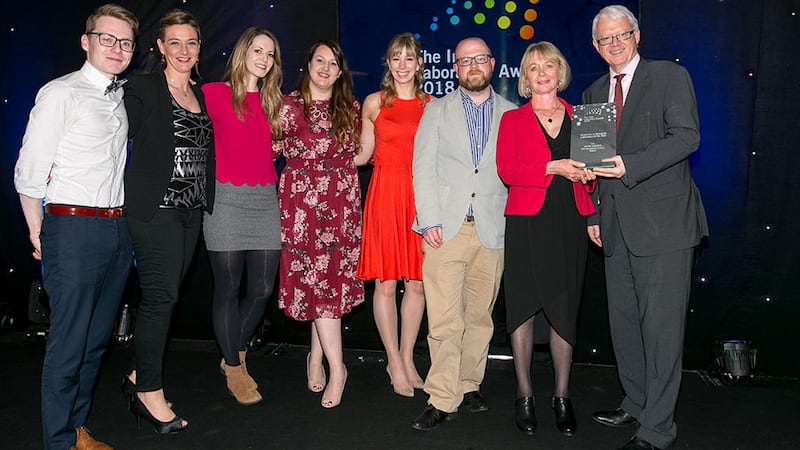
x,y
545,243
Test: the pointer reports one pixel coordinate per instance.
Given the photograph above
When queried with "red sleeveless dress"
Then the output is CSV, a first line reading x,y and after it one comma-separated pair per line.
x,y
390,250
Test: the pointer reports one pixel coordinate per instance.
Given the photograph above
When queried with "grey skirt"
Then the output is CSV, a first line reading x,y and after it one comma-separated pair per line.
x,y
245,218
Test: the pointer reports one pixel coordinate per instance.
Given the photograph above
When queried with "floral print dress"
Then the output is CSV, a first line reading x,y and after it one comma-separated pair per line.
x,y
320,203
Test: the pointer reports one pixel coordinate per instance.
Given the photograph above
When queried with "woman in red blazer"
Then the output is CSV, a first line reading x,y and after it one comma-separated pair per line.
x,y
545,241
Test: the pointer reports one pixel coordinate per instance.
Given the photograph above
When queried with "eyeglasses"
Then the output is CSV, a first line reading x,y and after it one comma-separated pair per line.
x,y
109,40
479,59
603,41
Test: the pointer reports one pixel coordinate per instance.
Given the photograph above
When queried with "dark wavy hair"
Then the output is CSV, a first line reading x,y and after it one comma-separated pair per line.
x,y
344,118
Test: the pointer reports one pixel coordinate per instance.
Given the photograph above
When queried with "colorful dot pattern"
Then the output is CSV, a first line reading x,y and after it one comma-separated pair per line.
x,y
506,15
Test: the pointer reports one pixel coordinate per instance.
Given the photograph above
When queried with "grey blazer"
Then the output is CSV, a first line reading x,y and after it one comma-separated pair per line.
x,y
445,180
656,204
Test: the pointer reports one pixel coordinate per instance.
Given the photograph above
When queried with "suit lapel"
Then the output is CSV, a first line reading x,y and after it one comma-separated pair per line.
x,y
639,85
459,122
599,93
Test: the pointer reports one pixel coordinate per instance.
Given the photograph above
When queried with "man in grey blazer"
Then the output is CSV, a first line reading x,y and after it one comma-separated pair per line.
x,y
649,221
460,199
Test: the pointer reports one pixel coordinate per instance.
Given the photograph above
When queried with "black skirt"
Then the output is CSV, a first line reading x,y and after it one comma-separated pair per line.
x,y
545,255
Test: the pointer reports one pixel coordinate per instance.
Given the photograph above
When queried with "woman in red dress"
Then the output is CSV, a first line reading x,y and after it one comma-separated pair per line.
x,y
320,204
390,250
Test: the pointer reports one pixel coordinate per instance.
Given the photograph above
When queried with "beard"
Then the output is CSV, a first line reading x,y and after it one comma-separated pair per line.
x,y
475,85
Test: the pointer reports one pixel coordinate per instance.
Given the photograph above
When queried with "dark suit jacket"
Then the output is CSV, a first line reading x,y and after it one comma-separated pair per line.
x,y
522,157
151,162
656,205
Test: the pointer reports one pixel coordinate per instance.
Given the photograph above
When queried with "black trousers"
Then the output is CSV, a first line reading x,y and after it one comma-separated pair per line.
x,y
163,248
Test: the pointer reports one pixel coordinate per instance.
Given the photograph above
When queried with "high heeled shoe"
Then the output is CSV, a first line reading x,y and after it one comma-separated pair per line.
x,y
128,389
140,411
405,392
565,416
332,401
314,385
526,415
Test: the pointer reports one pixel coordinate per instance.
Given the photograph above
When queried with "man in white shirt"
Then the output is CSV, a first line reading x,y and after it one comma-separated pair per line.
x,y
73,158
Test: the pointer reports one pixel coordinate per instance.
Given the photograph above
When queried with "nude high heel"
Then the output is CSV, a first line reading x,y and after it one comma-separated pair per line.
x,y
333,399
314,385
405,392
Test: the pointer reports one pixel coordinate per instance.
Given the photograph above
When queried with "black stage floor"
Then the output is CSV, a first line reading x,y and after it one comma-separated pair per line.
x,y
759,414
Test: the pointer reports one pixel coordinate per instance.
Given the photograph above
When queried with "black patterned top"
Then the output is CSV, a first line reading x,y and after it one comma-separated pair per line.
x,y
193,134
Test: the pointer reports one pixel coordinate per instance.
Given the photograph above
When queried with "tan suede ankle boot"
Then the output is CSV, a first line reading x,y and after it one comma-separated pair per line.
x,y
242,356
240,384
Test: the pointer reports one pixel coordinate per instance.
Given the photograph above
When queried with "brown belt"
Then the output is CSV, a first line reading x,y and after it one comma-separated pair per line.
x,y
85,211
469,219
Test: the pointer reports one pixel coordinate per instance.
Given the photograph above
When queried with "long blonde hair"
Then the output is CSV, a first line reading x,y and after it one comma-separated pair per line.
x,y
407,42
269,87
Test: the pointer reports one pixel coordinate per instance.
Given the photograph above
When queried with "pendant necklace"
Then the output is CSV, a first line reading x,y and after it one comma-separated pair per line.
x,y
184,92
549,116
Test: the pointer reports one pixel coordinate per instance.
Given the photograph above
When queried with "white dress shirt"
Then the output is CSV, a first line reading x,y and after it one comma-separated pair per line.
x,y
75,145
628,70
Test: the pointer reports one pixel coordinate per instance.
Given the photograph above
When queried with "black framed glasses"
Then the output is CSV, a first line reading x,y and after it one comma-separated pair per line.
x,y
479,59
109,40
606,40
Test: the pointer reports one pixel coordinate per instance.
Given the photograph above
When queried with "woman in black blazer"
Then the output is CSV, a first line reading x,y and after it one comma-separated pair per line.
x,y
168,184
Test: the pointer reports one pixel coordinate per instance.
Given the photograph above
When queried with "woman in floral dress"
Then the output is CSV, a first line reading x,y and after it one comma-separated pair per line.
x,y
320,206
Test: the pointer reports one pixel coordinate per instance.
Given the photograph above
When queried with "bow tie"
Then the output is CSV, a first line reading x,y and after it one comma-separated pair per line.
x,y
116,84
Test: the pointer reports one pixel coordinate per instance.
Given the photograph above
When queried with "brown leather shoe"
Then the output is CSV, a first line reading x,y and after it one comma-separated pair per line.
x,y
85,441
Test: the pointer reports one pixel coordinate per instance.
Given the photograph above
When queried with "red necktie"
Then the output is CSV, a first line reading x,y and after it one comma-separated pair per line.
x,y
618,100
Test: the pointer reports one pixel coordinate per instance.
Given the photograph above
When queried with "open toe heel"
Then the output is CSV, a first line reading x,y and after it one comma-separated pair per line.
x,y
140,411
314,385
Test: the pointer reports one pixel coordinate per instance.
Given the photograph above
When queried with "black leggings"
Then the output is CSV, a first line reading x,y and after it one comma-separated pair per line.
x,y
235,320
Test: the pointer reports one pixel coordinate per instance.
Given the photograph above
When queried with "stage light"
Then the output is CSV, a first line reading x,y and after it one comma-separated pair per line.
x,y
733,360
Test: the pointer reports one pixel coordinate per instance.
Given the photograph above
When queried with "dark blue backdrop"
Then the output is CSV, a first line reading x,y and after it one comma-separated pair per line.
x,y
742,56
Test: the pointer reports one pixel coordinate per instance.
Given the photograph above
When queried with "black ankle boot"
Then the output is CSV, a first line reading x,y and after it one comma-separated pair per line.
x,y
565,416
526,415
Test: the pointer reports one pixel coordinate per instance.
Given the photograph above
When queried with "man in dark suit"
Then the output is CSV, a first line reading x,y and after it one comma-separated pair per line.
x,y
650,218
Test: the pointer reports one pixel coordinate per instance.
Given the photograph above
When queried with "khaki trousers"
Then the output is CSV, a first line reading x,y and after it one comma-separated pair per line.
x,y
461,279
